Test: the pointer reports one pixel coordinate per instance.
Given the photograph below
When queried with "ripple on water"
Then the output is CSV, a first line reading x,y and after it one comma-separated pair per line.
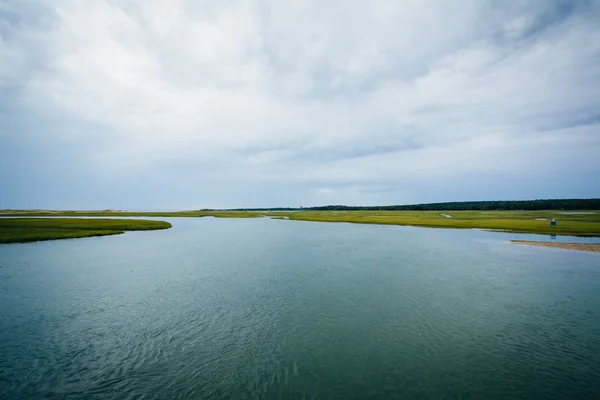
x,y
297,310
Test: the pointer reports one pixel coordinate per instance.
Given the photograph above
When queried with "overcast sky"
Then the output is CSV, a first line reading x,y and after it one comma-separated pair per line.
x,y
177,104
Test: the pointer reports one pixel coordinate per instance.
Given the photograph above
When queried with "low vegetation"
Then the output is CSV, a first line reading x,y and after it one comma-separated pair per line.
x,y
571,223
118,213
513,221
14,230
498,205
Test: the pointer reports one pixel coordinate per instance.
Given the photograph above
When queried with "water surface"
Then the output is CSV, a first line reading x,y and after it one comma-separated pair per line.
x,y
259,308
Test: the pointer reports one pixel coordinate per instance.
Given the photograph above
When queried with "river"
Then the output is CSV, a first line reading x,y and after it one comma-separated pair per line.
x,y
260,308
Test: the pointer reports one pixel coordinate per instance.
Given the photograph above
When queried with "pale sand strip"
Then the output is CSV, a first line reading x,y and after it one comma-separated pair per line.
x,y
595,247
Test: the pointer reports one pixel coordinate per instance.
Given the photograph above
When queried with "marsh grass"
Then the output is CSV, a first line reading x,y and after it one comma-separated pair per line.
x,y
14,230
511,221
569,224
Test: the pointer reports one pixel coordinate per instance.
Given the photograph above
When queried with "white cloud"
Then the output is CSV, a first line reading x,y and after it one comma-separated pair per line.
x,y
320,93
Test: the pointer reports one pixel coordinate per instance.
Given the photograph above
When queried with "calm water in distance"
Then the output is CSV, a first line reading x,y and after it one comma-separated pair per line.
x,y
259,308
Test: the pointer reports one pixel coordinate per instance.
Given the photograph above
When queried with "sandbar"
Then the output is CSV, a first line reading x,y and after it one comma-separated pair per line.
x,y
593,247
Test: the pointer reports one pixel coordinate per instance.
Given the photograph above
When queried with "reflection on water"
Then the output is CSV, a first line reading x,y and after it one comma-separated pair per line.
x,y
261,308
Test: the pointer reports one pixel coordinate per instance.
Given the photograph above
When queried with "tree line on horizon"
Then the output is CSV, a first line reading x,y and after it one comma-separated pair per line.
x,y
492,205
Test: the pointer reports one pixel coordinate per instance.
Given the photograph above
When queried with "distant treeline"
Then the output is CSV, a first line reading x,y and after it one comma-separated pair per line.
x,y
529,205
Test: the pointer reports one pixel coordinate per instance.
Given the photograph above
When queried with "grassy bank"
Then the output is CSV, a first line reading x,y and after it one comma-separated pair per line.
x,y
15,230
511,221
570,223
116,213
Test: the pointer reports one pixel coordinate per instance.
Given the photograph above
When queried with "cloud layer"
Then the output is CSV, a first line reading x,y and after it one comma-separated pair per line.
x,y
191,104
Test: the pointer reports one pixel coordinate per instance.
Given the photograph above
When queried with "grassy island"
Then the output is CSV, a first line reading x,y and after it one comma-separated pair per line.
x,y
583,223
16,230
569,222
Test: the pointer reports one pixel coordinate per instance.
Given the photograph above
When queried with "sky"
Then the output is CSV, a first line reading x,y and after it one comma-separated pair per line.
x,y
166,105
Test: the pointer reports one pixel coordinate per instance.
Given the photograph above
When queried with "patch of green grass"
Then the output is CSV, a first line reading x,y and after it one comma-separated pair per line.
x,y
113,213
512,221
15,230
570,224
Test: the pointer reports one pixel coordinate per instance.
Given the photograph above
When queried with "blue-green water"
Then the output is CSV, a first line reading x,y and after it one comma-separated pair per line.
x,y
258,308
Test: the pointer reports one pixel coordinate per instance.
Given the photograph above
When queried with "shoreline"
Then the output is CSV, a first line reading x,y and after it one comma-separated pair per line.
x,y
589,247
26,230
529,222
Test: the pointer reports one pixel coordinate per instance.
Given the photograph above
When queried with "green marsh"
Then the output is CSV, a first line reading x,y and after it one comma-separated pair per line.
x,y
570,223
15,230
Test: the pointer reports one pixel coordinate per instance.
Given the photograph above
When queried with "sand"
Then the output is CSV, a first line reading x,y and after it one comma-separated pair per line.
x,y
594,247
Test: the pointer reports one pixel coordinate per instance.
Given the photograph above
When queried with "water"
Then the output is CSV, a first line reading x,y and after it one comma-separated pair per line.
x,y
259,308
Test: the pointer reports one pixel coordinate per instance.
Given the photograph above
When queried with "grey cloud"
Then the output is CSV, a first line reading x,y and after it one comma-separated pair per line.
x,y
273,103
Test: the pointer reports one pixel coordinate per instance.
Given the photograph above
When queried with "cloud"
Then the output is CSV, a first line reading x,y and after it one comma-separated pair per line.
x,y
252,103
